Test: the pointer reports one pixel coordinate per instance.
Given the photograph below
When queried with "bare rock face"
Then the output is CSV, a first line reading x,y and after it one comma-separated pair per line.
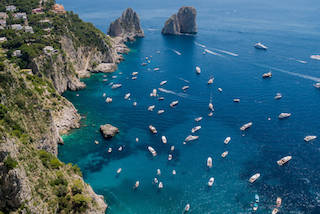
x,y
108,131
184,22
127,26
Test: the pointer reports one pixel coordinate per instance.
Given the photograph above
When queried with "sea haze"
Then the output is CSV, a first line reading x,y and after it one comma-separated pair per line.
x,y
228,29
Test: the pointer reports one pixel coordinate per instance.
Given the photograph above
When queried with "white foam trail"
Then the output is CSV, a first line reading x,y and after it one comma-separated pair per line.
x,y
211,52
180,78
177,52
226,52
172,92
301,61
201,45
316,79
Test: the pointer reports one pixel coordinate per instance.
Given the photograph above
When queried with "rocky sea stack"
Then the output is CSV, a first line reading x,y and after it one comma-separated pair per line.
x,y
108,131
127,26
184,22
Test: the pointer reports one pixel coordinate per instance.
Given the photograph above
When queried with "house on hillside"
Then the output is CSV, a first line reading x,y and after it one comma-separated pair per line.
x,y
3,15
3,39
58,8
28,29
20,16
16,27
3,22
37,10
17,53
11,8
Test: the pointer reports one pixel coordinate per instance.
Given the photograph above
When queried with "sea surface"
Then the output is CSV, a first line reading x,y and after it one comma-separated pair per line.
x,y
227,31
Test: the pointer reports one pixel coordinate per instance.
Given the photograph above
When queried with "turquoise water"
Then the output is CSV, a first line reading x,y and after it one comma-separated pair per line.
x,y
291,31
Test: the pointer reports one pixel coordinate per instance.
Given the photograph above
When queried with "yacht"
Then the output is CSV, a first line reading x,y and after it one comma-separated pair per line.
x,y
193,130
309,138
127,96
254,177
114,86
237,100
284,115
260,46
211,106
185,87
150,108
317,85
136,185
246,126
278,201
163,82
108,100
169,157
198,119
227,140
224,154
209,162
210,182
164,139
220,89
161,111
267,75
160,186
210,81
174,103
198,70
187,208
152,151
156,69
278,96
119,170
190,138
284,160
153,129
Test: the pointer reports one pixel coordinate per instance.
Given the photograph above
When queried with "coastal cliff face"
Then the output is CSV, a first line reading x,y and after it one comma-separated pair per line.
x,y
184,22
127,26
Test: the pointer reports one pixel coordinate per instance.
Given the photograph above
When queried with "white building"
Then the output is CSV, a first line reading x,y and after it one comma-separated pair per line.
x,y
16,27
28,29
17,53
3,39
3,15
3,22
49,50
11,8
20,16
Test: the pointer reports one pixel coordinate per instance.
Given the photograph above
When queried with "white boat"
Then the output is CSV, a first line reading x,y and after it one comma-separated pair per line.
x,y
284,115
158,172
155,180
209,162
220,89
120,148
174,172
104,94
156,69
259,45
163,82
278,96
317,57
210,114
150,108
161,111
198,119
198,70
275,211
136,185
134,103
174,103
144,64
278,202
134,78
153,129
237,100
190,138
284,160
160,186
152,151
110,150
153,93
254,177
172,148
309,138
210,81
187,208
185,87
169,157
211,181
246,126
137,139
224,154
119,170
227,140
127,96
96,142
193,130
317,85
161,98
114,86
211,106
108,100
267,75
164,139
134,73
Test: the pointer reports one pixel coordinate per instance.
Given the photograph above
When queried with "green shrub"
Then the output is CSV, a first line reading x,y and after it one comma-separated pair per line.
x,y
3,111
77,187
80,202
10,163
61,190
77,170
55,163
59,180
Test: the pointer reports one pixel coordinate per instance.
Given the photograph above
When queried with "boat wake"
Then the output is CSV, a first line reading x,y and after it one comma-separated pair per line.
x,y
298,60
216,49
172,92
211,52
177,52
226,52
200,45
316,79
187,81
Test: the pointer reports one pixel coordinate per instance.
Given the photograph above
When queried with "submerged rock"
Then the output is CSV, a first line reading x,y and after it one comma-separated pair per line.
x,y
184,22
108,131
127,26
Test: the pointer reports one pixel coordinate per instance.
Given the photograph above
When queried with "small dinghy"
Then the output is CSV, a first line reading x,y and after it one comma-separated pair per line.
x,y
164,139
278,202
127,96
198,70
160,186
161,111
309,138
260,46
257,198
152,151
120,148
190,138
194,129
150,108
174,172
227,140
254,177
275,211
109,100
209,162
153,129
220,89
134,73
246,126
224,154
153,93
169,157
174,103
172,148
136,185
284,115
237,100
187,208
211,106
211,181
163,82
210,114
278,96
96,142
198,119
161,98
267,75
210,81
134,78
109,149
119,170
158,172
114,86
185,87
284,160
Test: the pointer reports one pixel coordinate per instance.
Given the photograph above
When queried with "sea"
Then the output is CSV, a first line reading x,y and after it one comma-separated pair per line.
x,y
223,49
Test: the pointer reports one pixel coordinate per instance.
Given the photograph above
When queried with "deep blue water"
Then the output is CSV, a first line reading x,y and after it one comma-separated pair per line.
x,y
292,31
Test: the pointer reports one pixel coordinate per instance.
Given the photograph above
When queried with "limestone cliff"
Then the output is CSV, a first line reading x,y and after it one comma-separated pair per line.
x,y
184,22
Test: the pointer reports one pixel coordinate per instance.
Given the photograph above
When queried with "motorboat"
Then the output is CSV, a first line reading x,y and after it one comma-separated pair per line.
x,y
227,140
284,160
152,151
254,177
284,115
246,126
260,46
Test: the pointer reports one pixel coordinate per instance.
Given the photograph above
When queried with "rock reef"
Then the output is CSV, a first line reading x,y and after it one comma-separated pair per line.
x,y
108,131
127,26
184,22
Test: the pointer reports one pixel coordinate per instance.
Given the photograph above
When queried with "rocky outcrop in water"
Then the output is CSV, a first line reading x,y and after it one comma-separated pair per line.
x,y
108,131
127,26
184,22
